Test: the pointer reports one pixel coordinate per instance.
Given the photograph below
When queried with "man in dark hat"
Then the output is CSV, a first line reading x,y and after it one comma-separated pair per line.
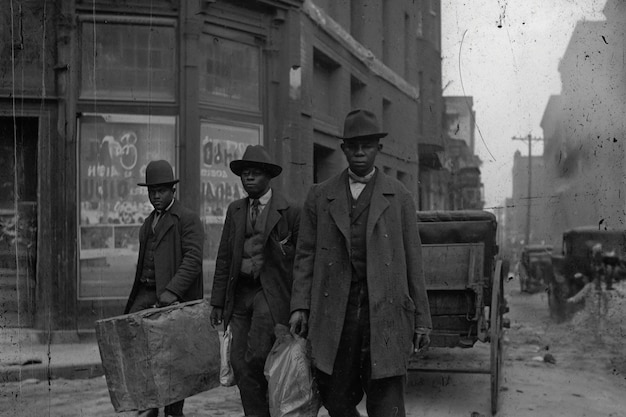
x,y
359,289
253,273
169,268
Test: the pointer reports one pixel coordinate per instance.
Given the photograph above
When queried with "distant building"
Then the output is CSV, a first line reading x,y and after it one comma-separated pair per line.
x,y
465,187
585,127
91,90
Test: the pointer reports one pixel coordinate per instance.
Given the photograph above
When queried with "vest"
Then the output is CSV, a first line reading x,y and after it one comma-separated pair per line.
x,y
252,259
359,213
147,269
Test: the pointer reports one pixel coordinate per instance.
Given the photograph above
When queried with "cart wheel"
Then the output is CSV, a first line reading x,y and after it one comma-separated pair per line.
x,y
495,332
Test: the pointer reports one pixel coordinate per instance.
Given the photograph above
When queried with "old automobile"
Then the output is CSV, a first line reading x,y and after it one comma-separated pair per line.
x,y
574,267
535,268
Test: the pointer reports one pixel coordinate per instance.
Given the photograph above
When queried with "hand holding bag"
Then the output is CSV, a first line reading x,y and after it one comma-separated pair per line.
x,y
291,387
227,377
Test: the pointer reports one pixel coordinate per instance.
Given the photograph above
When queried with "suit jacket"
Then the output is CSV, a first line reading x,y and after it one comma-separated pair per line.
x,y
280,237
177,256
398,302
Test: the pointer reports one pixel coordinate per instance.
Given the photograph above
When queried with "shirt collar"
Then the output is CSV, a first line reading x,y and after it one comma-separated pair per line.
x,y
364,179
265,198
168,207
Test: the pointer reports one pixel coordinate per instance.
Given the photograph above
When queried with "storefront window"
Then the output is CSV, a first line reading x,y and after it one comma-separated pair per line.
x,y
114,152
230,75
221,144
124,61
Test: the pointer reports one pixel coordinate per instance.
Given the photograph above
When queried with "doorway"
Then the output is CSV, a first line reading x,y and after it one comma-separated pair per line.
x,y
18,219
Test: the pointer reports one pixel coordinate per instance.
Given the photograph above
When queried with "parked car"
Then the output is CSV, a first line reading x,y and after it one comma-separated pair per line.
x,y
574,267
535,268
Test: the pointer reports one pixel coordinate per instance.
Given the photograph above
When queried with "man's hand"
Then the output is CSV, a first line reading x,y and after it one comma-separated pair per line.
x,y
217,315
299,322
167,298
421,340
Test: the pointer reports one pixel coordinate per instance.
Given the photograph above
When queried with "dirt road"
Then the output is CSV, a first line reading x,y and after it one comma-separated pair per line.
x,y
588,378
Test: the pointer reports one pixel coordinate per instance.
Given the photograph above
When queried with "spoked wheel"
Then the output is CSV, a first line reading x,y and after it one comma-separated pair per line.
x,y
496,333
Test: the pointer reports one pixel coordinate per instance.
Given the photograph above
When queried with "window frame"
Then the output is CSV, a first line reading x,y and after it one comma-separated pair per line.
x,y
134,20
240,38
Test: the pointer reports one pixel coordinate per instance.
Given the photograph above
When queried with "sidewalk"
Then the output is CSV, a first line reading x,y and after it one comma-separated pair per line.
x,y
26,354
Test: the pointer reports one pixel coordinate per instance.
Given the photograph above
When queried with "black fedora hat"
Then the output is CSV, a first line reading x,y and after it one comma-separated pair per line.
x,y
361,124
256,156
159,173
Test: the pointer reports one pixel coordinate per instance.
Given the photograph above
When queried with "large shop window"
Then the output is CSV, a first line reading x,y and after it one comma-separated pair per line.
x,y
221,144
131,60
230,76
113,153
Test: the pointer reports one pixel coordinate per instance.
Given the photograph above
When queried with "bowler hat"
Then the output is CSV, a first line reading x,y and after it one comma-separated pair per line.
x,y
255,156
361,124
159,173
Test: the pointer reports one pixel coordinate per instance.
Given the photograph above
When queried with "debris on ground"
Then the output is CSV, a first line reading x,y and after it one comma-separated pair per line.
x,y
549,358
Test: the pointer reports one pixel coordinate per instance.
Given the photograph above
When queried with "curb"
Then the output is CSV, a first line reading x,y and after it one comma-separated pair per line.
x,y
43,372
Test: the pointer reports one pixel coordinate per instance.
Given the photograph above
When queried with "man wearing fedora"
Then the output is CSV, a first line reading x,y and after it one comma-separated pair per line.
x,y
253,273
359,289
169,268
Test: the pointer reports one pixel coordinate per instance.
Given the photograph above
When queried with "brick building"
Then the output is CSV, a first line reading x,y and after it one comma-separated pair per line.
x,y
92,90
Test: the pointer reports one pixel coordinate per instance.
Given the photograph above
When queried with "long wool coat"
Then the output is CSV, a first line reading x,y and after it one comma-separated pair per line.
x,y
279,243
177,256
398,303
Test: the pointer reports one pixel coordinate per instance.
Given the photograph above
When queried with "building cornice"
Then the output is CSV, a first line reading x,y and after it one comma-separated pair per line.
x,y
360,52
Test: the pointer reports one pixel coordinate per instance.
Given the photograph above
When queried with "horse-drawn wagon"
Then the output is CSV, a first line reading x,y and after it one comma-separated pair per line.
x,y
464,280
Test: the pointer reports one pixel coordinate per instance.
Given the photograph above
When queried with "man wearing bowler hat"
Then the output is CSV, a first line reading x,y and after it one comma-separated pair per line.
x,y
253,273
359,289
169,268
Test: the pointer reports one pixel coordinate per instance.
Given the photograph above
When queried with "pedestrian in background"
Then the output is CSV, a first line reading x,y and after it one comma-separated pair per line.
x,y
169,268
359,289
253,273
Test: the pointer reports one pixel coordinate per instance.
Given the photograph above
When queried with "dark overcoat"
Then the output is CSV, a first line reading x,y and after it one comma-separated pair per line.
x,y
398,303
178,254
279,243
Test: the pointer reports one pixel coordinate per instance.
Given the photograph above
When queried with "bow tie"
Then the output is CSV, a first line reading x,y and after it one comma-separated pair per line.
x,y
356,178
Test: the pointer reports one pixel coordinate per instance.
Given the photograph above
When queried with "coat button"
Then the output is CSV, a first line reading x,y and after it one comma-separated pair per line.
x,y
325,293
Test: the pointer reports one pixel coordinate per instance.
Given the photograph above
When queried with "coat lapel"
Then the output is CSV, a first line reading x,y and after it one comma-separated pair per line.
x,y
339,207
379,202
276,204
166,222
239,222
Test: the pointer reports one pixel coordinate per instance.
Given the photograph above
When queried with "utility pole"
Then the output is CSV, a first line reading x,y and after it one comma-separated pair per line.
x,y
530,139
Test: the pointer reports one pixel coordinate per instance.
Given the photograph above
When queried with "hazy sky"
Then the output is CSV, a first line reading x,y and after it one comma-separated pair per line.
x,y
511,71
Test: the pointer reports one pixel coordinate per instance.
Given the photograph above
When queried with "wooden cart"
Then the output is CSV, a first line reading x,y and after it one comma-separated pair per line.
x,y
464,280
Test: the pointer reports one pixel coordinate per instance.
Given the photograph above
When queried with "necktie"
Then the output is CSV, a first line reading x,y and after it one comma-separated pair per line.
x,y
157,217
254,210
